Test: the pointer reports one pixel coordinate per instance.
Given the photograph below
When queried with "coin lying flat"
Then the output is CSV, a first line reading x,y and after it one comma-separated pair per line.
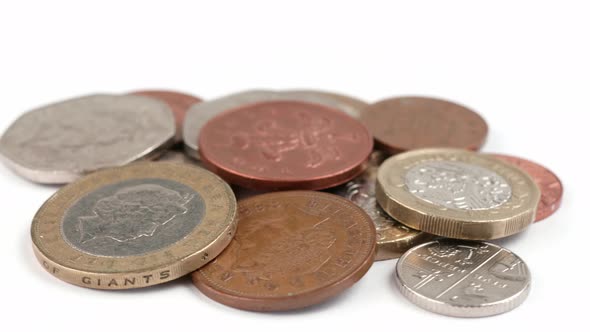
x,y
393,238
549,184
134,226
457,194
178,102
407,123
285,145
292,250
463,279
200,114
63,141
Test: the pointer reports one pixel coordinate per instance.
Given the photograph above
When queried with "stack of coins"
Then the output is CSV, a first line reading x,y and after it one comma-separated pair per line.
x,y
279,200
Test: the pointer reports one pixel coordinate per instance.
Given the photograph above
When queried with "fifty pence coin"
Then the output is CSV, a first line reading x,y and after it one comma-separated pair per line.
x,y
407,123
178,102
134,226
393,238
463,279
549,184
199,114
63,141
457,194
292,250
279,145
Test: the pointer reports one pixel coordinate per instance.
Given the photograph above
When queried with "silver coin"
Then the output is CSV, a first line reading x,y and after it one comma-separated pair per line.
x,y
457,185
200,113
61,142
463,279
179,157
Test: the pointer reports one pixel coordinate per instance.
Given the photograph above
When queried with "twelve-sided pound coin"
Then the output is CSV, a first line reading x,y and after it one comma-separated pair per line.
x,y
134,226
463,279
457,194
63,141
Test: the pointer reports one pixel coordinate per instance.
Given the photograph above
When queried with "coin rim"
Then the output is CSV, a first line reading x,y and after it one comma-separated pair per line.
x,y
202,245
419,214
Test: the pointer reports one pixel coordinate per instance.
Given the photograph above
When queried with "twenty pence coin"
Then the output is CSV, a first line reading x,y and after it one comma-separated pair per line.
x,y
134,226
393,238
292,250
457,194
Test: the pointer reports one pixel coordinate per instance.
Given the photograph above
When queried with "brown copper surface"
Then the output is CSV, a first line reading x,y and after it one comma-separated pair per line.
x,y
291,250
549,184
285,145
407,123
177,101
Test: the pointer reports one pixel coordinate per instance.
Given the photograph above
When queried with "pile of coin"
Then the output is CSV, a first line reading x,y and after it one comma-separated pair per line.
x,y
279,200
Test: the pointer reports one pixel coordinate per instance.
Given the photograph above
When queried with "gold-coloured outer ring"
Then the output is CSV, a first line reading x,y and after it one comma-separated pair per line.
x,y
507,219
199,247
395,248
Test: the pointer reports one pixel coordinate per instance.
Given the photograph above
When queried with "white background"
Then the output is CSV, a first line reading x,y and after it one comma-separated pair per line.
x,y
524,65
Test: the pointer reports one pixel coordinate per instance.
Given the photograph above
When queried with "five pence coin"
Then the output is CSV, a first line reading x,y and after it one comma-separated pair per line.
x,y
463,279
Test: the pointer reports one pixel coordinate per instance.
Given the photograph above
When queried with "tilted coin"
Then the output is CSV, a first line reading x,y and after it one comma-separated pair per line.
x,y
457,194
200,114
549,184
277,145
179,157
292,250
350,105
63,141
179,103
407,123
134,226
393,238
463,279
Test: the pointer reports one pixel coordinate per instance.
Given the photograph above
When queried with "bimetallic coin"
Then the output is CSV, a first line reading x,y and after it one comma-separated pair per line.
x,y
457,194
285,145
393,238
134,226
549,184
292,250
179,104
407,123
463,279
200,114
61,142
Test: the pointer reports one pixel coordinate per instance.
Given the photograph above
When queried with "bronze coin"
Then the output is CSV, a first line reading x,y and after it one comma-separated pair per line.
x,y
279,145
292,250
549,184
178,102
407,123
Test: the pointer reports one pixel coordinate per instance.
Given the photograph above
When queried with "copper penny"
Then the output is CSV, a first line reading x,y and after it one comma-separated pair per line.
x,y
291,250
178,102
285,145
407,123
549,184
